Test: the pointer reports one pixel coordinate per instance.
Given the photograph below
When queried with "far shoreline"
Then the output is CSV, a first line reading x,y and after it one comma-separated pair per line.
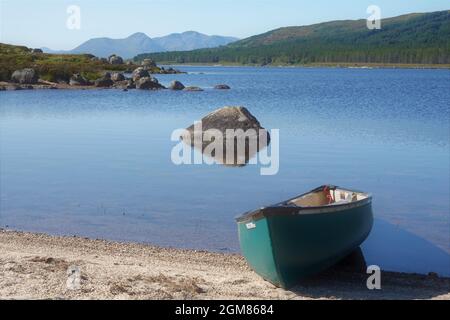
x,y
318,65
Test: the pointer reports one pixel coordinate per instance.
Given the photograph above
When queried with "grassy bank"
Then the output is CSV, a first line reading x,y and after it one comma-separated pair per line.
x,y
54,67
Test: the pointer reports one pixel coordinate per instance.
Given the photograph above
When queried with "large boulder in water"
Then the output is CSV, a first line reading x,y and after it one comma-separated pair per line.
x,y
242,125
27,75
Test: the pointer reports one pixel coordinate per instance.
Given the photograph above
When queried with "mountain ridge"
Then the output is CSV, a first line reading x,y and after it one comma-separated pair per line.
x,y
139,42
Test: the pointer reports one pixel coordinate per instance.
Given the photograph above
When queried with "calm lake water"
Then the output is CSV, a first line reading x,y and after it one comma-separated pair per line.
x,y
97,163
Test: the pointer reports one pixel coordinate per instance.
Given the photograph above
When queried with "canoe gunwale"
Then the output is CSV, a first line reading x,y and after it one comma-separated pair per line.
x,y
286,209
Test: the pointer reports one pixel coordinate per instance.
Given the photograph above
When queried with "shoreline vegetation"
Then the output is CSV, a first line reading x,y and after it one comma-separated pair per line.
x,y
35,266
26,68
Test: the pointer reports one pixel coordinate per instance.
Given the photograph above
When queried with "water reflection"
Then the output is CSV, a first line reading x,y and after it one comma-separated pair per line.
x,y
236,158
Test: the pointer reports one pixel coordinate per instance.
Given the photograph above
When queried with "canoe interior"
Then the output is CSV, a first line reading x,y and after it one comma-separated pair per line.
x,y
327,196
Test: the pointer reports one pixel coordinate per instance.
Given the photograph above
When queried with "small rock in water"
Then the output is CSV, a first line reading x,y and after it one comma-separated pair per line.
x,y
193,88
176,85
147,83
222,87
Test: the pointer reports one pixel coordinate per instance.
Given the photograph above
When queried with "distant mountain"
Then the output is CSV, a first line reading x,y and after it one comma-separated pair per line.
x,y
418,38
191,40
139,43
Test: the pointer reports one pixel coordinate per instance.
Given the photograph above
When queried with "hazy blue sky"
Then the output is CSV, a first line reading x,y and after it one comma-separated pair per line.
x,y
38,23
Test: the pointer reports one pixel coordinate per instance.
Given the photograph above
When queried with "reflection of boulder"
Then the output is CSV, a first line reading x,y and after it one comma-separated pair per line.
x,y
235,129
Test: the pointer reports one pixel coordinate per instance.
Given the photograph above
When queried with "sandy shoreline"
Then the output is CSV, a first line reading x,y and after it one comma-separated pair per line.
x,y
34,266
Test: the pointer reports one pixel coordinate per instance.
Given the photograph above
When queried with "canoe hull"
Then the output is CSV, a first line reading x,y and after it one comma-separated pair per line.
x,y
284,248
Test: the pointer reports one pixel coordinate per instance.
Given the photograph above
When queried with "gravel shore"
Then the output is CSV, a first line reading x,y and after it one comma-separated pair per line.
x,y
35,266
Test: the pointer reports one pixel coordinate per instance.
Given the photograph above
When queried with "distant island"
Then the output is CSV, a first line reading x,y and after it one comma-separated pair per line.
x,y
139,42
409,40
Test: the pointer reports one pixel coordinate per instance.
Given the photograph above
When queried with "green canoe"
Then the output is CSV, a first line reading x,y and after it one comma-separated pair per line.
x,y
302,236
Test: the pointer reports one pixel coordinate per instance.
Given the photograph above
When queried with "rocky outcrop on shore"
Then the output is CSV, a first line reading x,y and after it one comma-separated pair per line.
x,y
114,59
148,63
25,76
125,84
141,78
148,83
78,80
140,72
104,82
117,76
